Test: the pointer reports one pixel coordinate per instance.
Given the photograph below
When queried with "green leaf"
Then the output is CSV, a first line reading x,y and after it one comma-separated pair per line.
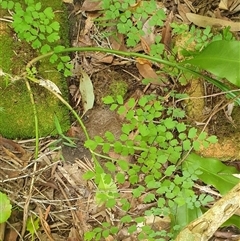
x,y
38,6
149,198
221,58
183,215
89,175
119,99
110,203
49,13
110,166
45,48
124,165
5,207
120,177
108,100
33,224
109,136
192,133
91,144
170,170
126,219
169,123
106,189
89,236
55,26
53,37
181,127
212,139
214,172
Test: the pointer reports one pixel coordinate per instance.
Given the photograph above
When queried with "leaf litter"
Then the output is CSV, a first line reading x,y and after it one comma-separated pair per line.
x,y
61,198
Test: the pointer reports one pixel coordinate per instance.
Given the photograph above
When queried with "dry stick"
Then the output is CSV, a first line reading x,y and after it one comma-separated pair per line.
x,y
25,209
74,216
35,116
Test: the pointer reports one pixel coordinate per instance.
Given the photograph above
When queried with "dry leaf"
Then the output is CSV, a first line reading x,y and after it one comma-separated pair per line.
x,y
48,84
117,42
148,72
88,24
167,32
86,90
203,21
182,10
68,1
223,5
149,37
91,5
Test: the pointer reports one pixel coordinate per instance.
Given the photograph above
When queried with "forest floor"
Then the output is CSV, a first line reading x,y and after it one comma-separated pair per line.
x,y
53,192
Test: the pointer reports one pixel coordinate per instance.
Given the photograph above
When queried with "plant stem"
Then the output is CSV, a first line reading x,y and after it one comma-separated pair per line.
x,y
35,118
180,66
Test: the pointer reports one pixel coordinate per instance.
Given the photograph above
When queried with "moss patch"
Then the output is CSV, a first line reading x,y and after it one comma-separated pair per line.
x,y
117,87
16,111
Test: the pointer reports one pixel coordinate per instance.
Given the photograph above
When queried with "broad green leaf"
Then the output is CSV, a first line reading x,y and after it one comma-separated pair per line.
x,y
214,172
5,207
221,58
182,215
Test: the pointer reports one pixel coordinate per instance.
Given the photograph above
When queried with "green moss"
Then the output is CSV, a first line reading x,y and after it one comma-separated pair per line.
x,y
117,87
16,115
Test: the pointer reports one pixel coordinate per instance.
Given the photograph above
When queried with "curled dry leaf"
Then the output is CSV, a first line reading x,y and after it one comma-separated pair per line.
x,y
203,21
147,72
167,31
48,84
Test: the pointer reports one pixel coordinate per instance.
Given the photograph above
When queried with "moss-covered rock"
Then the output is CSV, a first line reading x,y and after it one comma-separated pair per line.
x,y
16,111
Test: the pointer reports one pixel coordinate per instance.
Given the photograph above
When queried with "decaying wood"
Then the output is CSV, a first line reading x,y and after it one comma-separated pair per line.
x,y
203,228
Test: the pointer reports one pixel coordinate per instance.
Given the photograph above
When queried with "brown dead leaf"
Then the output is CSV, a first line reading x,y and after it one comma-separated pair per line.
x,y
102,58
167,32
182,10
235,6
68,1
14,151
88,23
149,37
148,72
44,223
117,42
231,5
109,238
143,61
117,156
74,235
73,175
145,45
203,21
158,223
11,233
90,6
223,5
